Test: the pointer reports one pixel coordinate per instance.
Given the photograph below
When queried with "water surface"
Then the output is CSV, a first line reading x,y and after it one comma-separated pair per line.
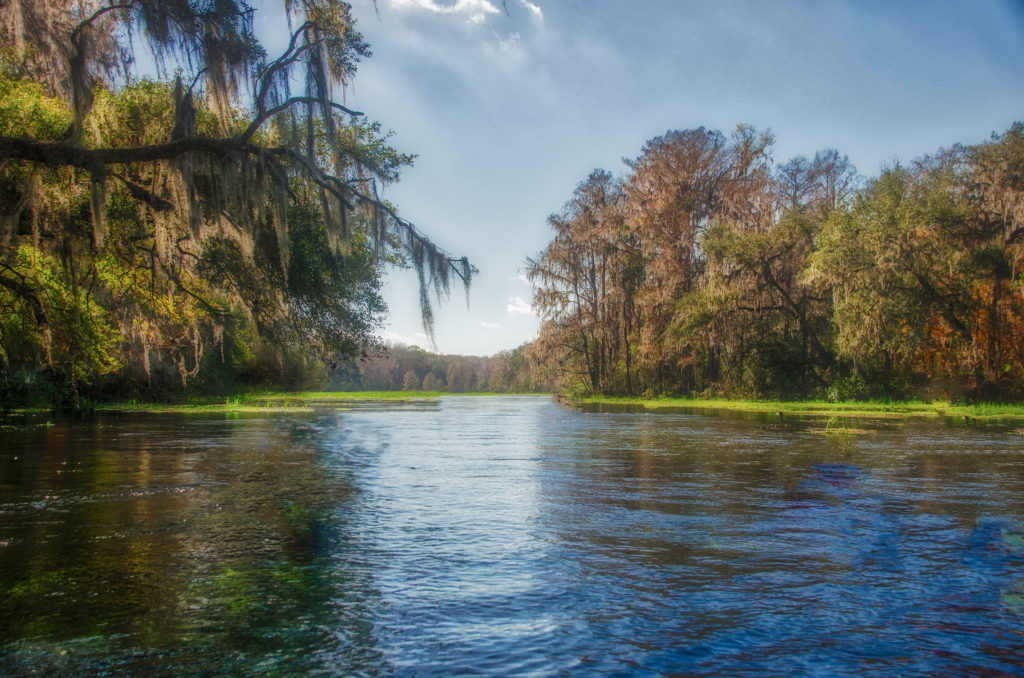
x,y
509,535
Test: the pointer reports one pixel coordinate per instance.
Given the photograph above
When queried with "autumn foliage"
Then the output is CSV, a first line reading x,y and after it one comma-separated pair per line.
x,y
711,269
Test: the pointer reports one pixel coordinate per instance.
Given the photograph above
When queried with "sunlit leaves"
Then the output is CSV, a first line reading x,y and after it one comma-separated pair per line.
x,y
763,280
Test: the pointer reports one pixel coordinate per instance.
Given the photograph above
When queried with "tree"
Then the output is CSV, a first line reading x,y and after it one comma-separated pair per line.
x,y
925,268
462,375
818,185
681,184
431,383
585,285
722,275
769,327
674,189
242,200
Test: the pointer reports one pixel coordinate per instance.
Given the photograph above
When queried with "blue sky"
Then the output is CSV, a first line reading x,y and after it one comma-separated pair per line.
x,y
508,112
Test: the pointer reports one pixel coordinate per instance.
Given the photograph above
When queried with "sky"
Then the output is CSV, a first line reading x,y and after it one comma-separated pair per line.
x,y
509,107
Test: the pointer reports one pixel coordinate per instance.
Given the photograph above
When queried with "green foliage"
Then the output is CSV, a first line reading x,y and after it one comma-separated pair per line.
x,y
135,314
185,236
847,388
25,110
924,275
60,327
364,142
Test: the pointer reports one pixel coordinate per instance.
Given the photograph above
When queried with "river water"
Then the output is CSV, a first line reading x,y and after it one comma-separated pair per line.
x,y
509,536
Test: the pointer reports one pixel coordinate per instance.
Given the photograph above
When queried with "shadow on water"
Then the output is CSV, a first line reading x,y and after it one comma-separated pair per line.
x,y
169,545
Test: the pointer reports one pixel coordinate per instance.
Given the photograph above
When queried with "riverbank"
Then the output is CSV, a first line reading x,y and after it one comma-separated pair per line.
x,y
267,402
812,408
277,402
248,402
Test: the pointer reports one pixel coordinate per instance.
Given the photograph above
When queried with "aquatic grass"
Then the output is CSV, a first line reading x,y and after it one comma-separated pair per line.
x,y
379,395
346,395
882,408
266,402
239,400
263,402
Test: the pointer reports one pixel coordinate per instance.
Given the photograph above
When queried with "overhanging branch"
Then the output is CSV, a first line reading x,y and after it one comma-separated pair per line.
x,y
262,118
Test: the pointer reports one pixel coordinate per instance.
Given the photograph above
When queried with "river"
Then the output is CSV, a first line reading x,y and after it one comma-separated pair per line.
x,y
509,536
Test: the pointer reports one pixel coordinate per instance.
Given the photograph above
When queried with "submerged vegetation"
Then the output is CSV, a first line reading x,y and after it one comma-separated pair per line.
x,y
709,270
205,232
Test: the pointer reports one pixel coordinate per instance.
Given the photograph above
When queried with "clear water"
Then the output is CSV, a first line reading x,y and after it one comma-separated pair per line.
x,y
509,536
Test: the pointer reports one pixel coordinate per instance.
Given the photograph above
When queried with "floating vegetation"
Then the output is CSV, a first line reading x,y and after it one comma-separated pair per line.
x,y
842,431
836,428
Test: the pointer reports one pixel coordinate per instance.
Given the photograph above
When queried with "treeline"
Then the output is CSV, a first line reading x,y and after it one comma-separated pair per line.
x,y
404,368
711,269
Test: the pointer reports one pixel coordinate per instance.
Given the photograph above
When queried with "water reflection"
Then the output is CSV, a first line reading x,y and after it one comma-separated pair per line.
x,y
510,536
176,545
737,552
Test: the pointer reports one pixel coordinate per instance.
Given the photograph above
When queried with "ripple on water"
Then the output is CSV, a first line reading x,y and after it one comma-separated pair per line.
x,y
509,536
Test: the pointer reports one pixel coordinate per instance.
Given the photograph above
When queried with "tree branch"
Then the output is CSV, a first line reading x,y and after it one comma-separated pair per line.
x,y
263,117
96,15
279,63
142,194
62,154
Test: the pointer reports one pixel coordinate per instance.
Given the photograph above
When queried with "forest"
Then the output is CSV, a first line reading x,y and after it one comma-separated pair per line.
x,y
213,227
710,269
218,227
404,368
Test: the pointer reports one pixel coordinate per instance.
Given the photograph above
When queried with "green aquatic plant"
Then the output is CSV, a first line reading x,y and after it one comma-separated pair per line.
x,y
1013,599
879,408
1014,539
833,427
238,400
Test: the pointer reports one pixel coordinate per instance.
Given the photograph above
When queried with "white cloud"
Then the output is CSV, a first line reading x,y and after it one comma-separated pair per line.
x,y
534,9
522,278
519,306
490,324
419,339
475,11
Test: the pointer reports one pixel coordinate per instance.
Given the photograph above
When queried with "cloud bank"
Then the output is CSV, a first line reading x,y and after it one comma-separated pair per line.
x,y
475,11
